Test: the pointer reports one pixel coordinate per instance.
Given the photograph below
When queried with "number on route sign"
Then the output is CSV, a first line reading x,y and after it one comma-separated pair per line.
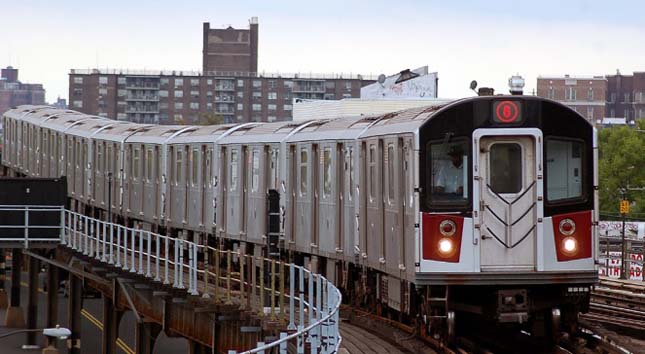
x,y
624,206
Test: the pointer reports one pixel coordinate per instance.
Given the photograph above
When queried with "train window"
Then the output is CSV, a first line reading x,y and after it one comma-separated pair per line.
x,y
149,165
135,163
327,172
448,180
372,164
390,173
207,172
563,169
178,168
303,171
234,170
255,181
194,161
99,158
157,165
505,168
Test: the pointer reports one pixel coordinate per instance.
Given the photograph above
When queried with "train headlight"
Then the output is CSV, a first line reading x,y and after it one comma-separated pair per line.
x,y
567,227
570,245
447,227
445,246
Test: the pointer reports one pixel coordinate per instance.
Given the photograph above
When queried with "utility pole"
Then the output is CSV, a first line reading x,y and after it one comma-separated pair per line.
x,y
624,210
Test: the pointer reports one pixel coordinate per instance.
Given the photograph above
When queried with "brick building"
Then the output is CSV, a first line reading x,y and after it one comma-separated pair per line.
x,y
189,97
586,95
626,96
230,50
14,93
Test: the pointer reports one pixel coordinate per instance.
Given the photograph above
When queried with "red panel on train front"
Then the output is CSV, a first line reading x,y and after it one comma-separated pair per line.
x,y
432,237
581,234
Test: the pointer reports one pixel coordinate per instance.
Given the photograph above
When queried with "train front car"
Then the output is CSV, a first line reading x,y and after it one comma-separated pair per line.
x,y
507,213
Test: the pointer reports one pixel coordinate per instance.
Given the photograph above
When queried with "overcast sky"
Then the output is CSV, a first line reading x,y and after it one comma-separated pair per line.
x,y
487,41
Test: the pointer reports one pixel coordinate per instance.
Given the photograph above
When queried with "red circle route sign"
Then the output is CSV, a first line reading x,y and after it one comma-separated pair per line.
x,y
507,111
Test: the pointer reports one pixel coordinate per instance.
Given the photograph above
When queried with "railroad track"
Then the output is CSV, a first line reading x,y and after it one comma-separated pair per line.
x,y
618,303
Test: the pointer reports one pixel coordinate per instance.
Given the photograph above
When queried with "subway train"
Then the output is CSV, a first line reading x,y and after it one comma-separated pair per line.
x,y
484,206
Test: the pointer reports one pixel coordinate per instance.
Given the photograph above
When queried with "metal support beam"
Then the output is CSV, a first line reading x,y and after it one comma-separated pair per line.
x,y
110,326
146,334
52,302
15,317
75,302
32,304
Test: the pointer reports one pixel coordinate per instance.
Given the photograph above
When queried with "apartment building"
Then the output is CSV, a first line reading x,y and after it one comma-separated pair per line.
x,y
171,97
585,94
626,96
14,93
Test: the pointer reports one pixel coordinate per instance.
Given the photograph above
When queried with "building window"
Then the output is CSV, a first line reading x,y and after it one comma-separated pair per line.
x,y
257,83
122,93
121,80
179,105
347,95
271,118
272,95
209,94
209,82
194,94
179,93
240,107
257,107
551,93
641,113
121,116
194,105
240,83
240,94
330,85
590,94
288,84
348,85
570,93
627,113
626,100
288,107
272,84
194,82
163,105
102,91
286,96
78,104
330,96
103,80
163,93
613,97
163,81
612,113
209,106
78,80
590,113
178,118
179,82
272,107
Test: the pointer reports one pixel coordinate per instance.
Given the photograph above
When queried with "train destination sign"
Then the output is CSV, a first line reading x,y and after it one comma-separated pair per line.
x,y
507,112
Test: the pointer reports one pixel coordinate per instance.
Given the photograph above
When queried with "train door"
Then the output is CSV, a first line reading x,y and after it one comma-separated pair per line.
x,y
293,188
349,210
206,186
509,197
339,196
244,191
223,182
315,195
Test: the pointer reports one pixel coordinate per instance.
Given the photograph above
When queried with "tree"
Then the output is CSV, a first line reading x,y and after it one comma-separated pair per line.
x,y
210,118
622,165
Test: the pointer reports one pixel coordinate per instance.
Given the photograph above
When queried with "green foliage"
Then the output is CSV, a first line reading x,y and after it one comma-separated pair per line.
x,y
622,165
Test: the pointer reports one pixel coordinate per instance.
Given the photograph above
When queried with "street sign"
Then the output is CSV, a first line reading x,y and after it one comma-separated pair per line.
x,y
624,206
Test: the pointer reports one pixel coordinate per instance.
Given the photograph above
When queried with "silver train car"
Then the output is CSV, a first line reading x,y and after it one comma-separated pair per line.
x,y
481,206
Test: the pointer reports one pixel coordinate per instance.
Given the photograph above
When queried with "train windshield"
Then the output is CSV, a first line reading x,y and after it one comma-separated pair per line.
x,y
449,172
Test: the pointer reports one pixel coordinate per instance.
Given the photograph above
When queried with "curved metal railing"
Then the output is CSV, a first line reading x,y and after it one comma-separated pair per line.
x,y
306,304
